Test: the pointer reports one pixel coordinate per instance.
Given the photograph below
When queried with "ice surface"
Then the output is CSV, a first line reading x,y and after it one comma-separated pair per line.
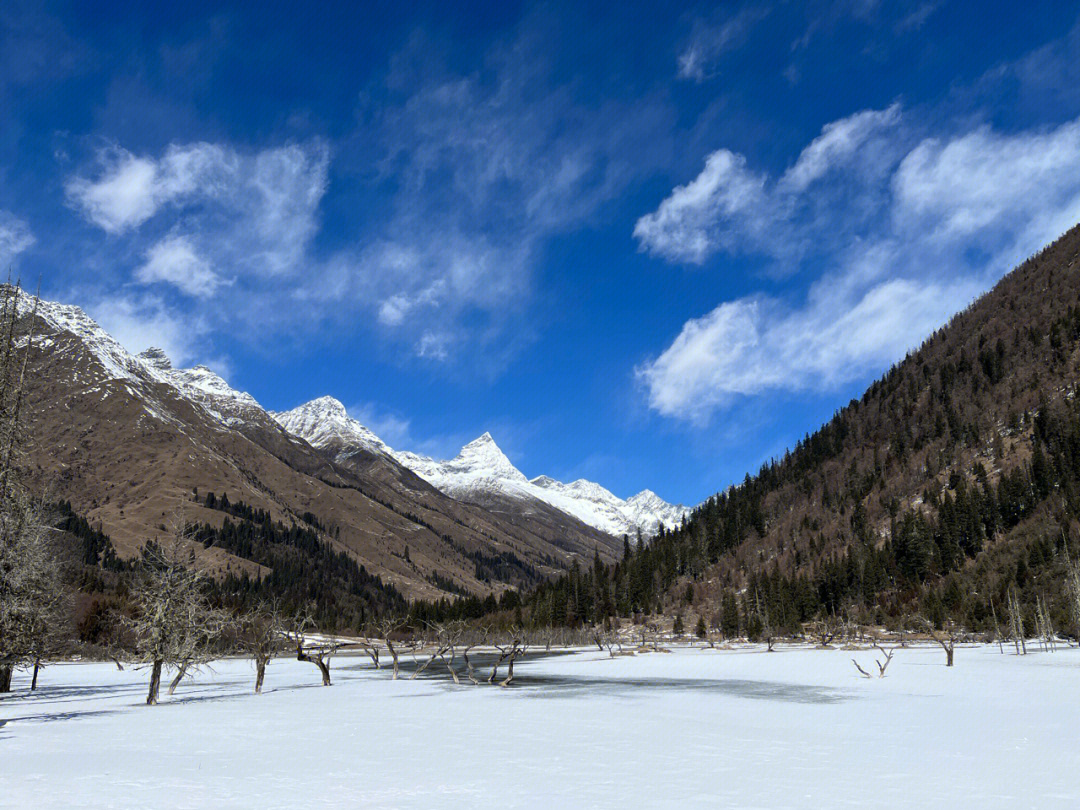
x,y
693,729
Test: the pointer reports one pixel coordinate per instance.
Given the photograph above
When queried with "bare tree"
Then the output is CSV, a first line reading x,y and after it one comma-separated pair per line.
x,y
369,646
174,625
1016,622
388,628
947,636
1044,627
450,635
597,635
882,663
470,644
262,635
31,590
430,639
825,630
312,648
509,651
612,642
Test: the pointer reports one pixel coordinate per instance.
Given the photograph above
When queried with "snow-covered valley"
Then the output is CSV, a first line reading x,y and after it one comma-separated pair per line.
x,y
697,728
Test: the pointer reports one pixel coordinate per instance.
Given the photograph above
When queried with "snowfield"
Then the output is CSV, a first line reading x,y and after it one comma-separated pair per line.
x,y
712,729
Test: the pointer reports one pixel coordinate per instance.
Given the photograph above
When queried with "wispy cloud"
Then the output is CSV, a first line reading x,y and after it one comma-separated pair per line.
x,y
250,213
730,207
913,229
142,321
15,237
487,167
710,41
174,261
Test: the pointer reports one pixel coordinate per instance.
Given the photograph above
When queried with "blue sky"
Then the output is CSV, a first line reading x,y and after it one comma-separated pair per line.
x,y
646,245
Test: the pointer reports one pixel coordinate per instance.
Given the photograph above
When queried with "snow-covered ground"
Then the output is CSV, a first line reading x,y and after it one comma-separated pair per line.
x,y
793,729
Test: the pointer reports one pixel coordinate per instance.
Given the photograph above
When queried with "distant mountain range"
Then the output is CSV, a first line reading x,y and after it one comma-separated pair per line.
x,y
482,474
129,440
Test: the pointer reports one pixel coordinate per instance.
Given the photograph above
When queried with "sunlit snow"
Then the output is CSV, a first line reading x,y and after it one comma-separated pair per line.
x,y
693,729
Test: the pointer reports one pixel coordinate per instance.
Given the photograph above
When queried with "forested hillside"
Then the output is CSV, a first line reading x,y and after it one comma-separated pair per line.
x,y
949,490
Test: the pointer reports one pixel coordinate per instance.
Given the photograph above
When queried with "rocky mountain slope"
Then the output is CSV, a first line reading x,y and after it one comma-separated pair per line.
x,y
129,440
482,474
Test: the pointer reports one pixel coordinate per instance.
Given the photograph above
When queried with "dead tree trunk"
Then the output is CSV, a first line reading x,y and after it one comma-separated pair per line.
x,y
260,673
319,660
5,678
503,654
155,683
390,648
449,661
517,651
372,652
180,673
469,668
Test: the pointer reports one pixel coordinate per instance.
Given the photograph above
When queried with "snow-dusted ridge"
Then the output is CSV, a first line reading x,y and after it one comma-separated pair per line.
x,y
479,471
198,385
482,470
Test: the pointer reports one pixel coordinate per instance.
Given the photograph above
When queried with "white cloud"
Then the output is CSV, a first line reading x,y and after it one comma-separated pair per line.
x,y
980,181
250,213
729,207
140,322
130,189
487,167
708,43
691,224
835,145
433,346
465,178
15,237
934,225
174,261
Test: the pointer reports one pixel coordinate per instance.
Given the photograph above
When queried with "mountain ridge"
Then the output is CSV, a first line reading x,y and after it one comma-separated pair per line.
x,y
128,440
481,472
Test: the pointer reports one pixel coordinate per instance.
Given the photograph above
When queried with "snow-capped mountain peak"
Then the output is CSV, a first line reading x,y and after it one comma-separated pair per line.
x,y
484,455
479,471
482,471
325,423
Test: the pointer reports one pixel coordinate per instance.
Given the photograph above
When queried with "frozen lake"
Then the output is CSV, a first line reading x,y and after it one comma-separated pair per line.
x,y
797,728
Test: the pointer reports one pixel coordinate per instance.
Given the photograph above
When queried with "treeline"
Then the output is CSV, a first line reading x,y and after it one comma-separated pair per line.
x,y
304,568
950,489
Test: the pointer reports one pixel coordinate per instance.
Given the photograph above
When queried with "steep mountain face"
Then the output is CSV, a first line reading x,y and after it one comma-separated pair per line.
x,y
129,440
950,489
482,474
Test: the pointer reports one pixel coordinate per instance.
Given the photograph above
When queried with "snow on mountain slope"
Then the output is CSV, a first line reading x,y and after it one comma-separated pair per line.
x,y
324,423
198,385
481,471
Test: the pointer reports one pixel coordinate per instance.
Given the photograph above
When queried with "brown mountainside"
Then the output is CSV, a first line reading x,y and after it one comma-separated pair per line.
x,y
128,441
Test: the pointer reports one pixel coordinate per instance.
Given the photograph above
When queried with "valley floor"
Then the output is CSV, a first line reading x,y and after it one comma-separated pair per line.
x,y
743,728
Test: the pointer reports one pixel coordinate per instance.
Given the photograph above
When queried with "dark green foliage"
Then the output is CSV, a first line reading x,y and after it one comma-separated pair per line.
x,y
96,548
304,568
